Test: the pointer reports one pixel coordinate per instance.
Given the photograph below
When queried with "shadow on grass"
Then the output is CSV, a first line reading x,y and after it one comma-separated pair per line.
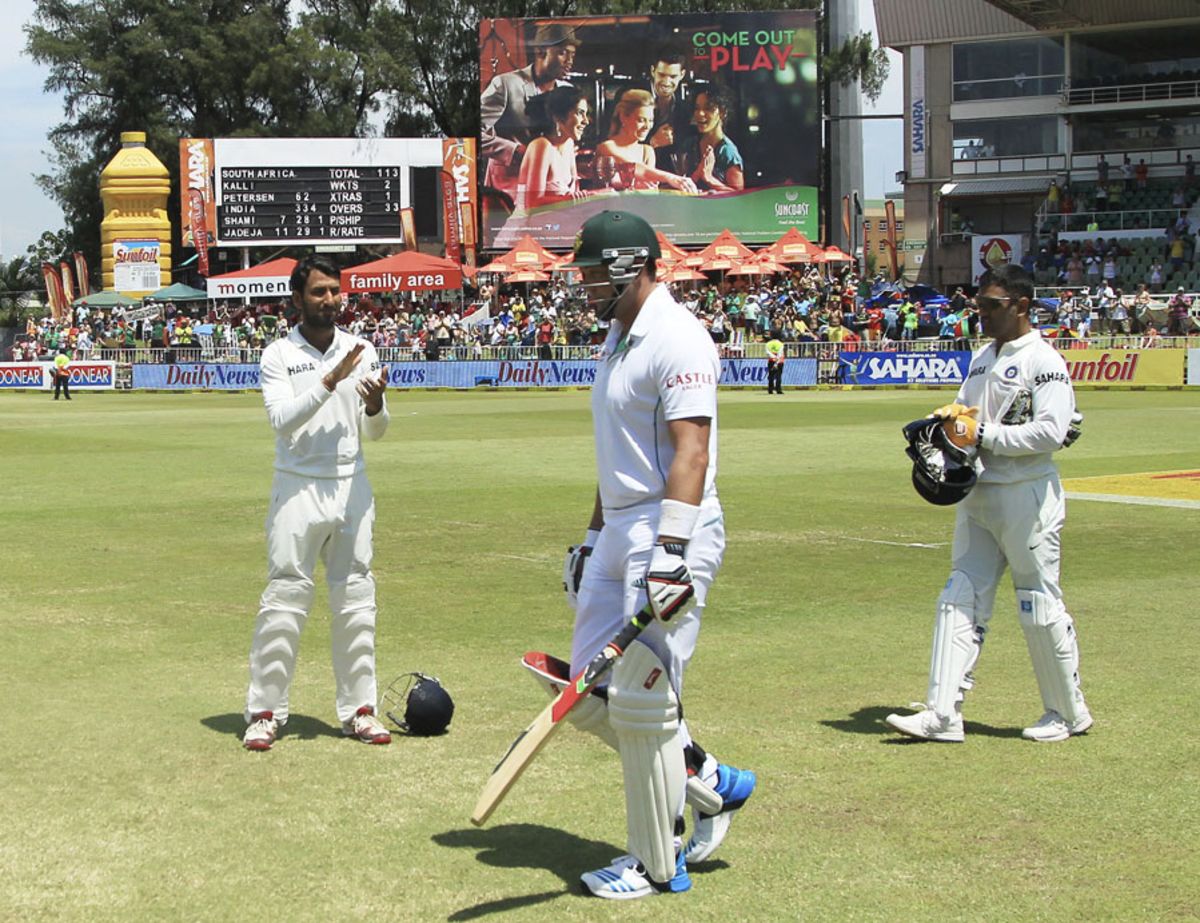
x,y
531,846
869,720
514,846
301,727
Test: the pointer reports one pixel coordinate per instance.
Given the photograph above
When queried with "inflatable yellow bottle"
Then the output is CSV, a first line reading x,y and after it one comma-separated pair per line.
x,y
135,235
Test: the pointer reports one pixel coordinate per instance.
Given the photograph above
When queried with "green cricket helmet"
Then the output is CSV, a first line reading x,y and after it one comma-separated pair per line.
x,y
620,241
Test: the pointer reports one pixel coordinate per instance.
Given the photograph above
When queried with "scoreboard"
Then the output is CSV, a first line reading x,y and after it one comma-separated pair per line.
x,y
247,192
291,204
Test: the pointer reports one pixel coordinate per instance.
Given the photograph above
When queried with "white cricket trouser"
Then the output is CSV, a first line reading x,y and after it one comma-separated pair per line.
x,y
608,598
1015,524
310,518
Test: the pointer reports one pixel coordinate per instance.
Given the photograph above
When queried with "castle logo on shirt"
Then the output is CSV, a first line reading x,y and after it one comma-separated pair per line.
x,y
688,381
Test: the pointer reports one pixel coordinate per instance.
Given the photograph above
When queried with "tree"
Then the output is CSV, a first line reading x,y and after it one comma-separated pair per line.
x,y
207,68
20,278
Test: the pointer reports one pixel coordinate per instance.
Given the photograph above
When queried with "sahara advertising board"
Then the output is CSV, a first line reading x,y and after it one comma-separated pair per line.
x,y
696,122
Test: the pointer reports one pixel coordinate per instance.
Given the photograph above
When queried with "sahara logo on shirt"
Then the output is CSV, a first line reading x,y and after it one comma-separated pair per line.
x,y
687,381
302,367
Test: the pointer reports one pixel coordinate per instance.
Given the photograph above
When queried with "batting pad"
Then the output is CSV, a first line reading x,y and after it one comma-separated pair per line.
x,y
552,674
1054,650
644,712
955,644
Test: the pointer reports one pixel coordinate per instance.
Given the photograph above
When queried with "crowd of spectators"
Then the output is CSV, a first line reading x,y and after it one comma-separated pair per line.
x,y
805,306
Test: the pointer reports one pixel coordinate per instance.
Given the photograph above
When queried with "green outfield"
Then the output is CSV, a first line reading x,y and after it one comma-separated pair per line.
x,y
133,557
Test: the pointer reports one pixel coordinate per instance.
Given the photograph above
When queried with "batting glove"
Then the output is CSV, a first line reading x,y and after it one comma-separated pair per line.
x,y
668,581
574,563
1074,429
950,411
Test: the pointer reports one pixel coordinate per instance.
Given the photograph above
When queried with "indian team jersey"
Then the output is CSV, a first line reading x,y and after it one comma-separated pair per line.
x,y
1025,402
664,368
318,432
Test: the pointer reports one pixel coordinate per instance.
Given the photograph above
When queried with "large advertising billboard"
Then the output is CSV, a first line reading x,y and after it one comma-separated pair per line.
x,y
697,122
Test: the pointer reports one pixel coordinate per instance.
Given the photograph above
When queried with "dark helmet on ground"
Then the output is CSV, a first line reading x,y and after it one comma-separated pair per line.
x,y
942,473
425,706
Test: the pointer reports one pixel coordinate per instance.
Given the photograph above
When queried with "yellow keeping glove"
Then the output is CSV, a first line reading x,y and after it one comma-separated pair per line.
x,y
963,429
950,411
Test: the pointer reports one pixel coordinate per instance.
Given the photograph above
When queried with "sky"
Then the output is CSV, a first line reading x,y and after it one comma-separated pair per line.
x,y
29,114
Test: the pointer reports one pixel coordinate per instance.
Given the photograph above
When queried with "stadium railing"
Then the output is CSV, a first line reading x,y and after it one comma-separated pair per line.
x,y
805,350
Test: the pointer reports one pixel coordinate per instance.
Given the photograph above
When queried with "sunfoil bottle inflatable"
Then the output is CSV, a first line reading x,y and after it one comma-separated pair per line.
x,y
135,235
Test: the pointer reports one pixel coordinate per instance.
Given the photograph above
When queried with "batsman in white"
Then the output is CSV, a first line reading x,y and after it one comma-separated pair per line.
x,y
656,534
323,389
1014,410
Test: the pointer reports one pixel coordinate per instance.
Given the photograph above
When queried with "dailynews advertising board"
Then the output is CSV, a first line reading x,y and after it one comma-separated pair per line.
x,y
86,376
538,373
696,122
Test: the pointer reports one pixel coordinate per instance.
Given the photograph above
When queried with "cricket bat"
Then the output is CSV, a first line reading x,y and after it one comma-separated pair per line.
x,y
530,741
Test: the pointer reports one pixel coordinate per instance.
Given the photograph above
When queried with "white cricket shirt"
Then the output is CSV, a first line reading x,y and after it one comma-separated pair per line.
x,y
1025,401
666,368
317,431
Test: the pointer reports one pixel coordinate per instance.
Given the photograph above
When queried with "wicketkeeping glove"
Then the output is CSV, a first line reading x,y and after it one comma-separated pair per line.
x,y
963,429
574,563
950,411
1074,429
668,581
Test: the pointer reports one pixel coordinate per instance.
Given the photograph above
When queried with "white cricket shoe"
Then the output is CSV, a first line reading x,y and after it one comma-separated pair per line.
x,y
626,879
928,725
261,732
366,727
1052,726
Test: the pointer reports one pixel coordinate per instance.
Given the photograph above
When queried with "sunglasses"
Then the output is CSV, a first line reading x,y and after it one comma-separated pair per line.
x,y
988,303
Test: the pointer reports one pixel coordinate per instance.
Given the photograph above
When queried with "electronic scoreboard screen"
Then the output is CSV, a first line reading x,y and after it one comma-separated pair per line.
x,y
280,191
300,204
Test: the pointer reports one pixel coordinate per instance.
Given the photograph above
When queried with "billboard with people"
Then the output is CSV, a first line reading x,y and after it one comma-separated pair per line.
x,y
697,122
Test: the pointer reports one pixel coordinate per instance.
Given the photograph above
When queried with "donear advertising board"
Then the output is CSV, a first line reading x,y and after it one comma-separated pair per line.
x,y
696,122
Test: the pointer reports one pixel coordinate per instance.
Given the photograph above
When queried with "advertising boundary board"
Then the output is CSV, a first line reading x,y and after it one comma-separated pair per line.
x,y
85,375
1193,366
888,368
531,373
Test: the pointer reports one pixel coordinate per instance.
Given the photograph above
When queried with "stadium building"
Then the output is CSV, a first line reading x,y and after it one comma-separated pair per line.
x,y
1016,110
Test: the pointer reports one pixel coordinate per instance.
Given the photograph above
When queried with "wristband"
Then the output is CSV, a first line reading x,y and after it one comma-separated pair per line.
x,y
593,536
677,519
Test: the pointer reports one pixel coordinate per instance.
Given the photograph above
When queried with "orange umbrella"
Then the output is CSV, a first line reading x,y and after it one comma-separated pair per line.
x,y
527,253
723,264
724,246
750,269
834,255
671,253
679,274
793,247
527,275
496,266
